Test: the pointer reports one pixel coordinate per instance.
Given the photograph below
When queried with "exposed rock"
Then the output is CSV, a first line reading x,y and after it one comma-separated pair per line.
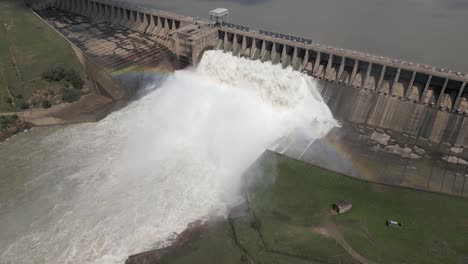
x,y
455,160
380,138
17,127
404,152
456,150
419,151
389,149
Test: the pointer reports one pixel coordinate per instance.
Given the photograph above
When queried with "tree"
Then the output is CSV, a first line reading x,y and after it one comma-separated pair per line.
x,y
59,73
46,104
70,94
54,74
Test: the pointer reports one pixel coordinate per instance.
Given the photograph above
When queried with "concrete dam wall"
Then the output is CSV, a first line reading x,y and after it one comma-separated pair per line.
x,y
418,100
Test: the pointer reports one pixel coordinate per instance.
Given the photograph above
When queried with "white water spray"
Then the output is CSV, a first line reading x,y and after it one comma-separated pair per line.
x,y
127,183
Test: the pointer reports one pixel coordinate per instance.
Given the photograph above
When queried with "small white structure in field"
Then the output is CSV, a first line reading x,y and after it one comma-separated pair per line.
x,y
342,207
391,223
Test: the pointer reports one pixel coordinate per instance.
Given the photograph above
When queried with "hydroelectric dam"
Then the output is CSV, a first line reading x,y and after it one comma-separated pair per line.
x,y
405,108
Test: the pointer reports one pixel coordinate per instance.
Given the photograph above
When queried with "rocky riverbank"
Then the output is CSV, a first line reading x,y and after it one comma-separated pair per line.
x,y
13,128
194,230
90,108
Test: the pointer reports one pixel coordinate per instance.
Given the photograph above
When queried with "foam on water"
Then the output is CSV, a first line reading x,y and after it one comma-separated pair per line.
x,y
102,191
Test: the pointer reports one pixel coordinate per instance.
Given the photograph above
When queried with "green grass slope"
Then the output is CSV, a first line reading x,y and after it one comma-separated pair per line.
x,y
27,48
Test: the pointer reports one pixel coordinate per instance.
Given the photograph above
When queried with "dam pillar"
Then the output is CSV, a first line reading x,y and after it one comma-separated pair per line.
x,y
410,86
90,11
395,82
256,49
284,62
328,67
108,12
100,12
459,97
442,93
81,7
304,61
225,42
235,44
152,24
426,87
364,83
381,78
244,48
84,7
145,23
112,16
294,59
131,19
93,10
159,25
274,53
137,21
73,6
340,71
353,73
316,64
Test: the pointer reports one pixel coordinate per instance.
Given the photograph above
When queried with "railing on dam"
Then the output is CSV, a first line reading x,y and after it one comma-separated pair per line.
x,y
239,27
284,36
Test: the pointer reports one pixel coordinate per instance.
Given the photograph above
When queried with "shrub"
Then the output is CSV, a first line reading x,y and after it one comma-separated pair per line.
x,y
8,100
70,94
255,224
23,105
46,104
19,96
54,74
74,79
6,121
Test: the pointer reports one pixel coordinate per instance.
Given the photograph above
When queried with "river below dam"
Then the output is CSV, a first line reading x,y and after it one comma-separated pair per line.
x,y
99,192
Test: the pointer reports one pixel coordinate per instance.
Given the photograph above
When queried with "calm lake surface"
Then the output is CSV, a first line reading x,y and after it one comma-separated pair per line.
x,y
424,31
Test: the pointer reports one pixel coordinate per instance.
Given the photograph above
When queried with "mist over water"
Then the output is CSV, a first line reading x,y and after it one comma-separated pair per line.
x,y
98,192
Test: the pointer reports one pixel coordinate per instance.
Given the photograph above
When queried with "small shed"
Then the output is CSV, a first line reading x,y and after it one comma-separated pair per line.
x,y
342,207
392,223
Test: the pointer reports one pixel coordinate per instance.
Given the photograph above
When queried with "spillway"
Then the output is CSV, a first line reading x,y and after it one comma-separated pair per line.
x,y
98,192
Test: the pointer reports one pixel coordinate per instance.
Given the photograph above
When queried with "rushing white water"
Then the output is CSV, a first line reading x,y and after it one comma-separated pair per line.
x,y
95,193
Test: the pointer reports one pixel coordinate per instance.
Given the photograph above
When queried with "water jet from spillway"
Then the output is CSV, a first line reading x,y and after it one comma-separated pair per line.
x,y
98,192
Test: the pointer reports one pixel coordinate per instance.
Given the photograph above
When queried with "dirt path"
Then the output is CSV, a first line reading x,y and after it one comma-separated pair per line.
x,y
331,230
13,59
8,88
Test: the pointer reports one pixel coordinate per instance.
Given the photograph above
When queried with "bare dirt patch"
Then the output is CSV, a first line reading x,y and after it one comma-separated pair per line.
x,y
330,230
321,231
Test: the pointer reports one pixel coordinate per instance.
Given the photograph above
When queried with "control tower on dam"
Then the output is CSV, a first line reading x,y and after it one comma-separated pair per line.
x,y
418,100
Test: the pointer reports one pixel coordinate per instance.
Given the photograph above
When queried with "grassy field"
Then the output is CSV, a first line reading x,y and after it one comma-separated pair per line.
x,y
292,223
27,48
